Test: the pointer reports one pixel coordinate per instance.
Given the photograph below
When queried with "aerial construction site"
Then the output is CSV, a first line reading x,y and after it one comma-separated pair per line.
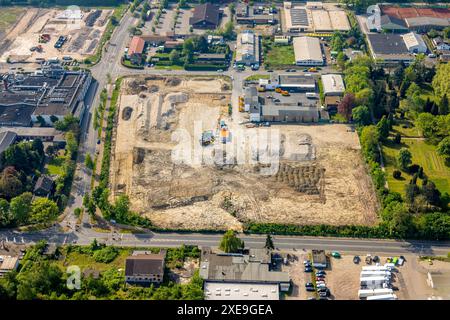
x,y
186,163
43,34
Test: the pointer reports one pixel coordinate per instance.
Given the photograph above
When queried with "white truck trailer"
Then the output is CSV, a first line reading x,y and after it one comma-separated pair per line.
x,y
365,274
376,268
364,293
383,297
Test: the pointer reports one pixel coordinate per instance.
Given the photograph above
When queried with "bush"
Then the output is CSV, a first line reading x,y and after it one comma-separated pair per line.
x,y
105,255
208,67
414,168
397,174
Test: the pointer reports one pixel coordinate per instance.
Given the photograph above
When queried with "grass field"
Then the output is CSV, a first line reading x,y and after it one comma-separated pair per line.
x,y
85,261
425,155
406,128
55,166
8,16
279,56
256,77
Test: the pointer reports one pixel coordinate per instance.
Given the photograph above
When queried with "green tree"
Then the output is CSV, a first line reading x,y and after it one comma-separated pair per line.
x,y
43,210
441,80
10,183
361,115
269,243
230,242
369,142
89,163
404,158
443,147
174,57
383,128
20,208
443,105
5,217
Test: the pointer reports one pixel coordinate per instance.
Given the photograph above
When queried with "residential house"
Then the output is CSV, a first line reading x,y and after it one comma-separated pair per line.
x,y
136,50
44,186
206,16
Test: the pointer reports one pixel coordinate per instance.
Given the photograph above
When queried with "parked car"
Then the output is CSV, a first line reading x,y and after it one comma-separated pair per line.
x,y
306,262
308,269
356,259
335,254
309,284
320,272
376,259
401,260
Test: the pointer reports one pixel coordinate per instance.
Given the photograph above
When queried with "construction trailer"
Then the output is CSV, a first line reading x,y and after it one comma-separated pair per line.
x,y
383,297
376,268
364,293
374,282
375,273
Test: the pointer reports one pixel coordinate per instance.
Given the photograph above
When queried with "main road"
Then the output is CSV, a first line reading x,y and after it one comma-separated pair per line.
x,y
110,68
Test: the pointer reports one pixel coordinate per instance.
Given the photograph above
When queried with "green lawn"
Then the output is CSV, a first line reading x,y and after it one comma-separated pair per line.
x,y
425,155
279,56
406,128
55,166
8,16
172,67
257,77
85,261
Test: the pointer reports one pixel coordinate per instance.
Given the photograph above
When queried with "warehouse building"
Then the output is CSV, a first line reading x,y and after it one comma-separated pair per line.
x,y
314,17
230,275
307,51
247,51
250,15
389,49
414,43
295,82
333,85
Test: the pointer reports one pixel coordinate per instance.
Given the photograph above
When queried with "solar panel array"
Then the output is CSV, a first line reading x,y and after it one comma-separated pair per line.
x,y
299,17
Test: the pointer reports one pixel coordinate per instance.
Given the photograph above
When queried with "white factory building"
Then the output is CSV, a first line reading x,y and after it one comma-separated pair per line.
x,y
333,85
307,51
247,48
414,43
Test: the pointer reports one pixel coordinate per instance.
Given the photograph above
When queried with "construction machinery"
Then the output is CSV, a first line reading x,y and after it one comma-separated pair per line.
x,y
278,90
261,89
44,38
285,93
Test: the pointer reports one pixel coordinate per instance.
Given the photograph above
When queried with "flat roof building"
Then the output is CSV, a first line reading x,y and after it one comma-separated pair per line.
x,y
7,264
414,43
236,268
296,82
389,48
52,92
307,51
7,138
247,51
333,84
241,291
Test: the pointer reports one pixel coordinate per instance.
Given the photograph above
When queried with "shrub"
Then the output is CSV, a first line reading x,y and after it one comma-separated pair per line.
x,y
105,255
397,174
397,138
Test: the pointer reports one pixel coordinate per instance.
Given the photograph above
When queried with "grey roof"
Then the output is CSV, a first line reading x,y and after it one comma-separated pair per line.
x,y
398,23
296,80
6,139
145,264
16,115
44,183
239,268
390,44
205,12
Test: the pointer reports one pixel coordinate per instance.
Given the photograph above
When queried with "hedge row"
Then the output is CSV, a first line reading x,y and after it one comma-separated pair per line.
x,y
209,67
104,173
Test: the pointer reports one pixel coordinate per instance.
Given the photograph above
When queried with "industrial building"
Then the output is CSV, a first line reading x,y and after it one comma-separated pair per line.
x,y
307,51
314,17
249,15
389,48
391,18
333,85
247,51
45,96
232,273
295,82
241,291
414,43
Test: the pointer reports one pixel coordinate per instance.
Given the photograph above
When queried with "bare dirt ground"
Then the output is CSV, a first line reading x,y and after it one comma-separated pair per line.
x,y
298,276
301,174
82,39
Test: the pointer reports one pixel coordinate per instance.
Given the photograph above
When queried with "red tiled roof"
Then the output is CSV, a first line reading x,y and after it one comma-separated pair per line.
x,y
136,46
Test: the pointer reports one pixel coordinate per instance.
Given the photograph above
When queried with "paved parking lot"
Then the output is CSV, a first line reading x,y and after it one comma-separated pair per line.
x,y
183,25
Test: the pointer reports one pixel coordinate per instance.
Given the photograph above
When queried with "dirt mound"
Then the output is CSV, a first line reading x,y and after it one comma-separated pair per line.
x,y
172,82
126,113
